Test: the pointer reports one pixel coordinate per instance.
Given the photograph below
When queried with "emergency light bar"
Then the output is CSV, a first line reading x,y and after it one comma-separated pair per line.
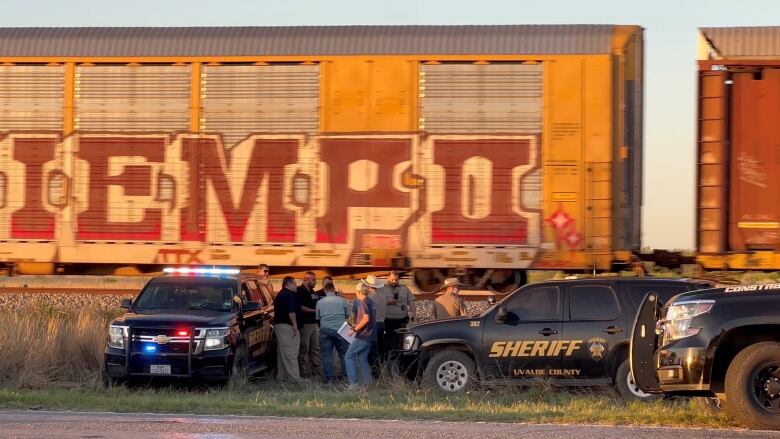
x,y
186,270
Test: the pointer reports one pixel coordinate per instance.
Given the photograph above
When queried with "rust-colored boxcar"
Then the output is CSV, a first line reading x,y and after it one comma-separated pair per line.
x,y
485,148
738,214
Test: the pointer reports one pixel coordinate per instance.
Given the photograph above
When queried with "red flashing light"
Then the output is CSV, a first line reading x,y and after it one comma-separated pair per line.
x,y
182,333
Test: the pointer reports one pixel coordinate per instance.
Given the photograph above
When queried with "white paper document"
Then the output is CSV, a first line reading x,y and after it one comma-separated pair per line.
x,y
344,332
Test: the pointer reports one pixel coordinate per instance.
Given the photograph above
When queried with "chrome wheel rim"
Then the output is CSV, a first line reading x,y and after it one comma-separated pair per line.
x,y
633,388
452,376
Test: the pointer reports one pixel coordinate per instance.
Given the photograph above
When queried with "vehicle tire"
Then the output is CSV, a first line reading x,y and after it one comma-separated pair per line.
x,y
450,371
753,386
239,369
627,388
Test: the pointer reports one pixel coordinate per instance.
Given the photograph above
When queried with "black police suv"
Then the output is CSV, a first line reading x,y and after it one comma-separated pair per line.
x,y
572,332
719,342
204,324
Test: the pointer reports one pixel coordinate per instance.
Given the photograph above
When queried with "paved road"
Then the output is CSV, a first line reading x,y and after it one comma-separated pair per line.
x,y
27,424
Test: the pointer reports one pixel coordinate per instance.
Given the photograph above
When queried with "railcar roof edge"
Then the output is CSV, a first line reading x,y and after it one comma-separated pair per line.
x,y
306,40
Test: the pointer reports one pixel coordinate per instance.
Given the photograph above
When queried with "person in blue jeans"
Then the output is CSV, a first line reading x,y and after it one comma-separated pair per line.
x,y
364,332
331,312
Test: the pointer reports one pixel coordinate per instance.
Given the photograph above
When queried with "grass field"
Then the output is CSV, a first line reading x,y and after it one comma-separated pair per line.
x,y
394,401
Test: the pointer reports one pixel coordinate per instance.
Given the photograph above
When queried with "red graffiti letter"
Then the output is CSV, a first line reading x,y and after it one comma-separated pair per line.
x,y
32,221
136,181
338,154
267,160
502,225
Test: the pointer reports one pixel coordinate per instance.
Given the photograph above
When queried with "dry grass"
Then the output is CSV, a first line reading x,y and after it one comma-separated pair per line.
x,y
46,347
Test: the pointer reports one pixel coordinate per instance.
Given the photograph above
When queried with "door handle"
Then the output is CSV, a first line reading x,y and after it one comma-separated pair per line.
x,y
613,330
548,331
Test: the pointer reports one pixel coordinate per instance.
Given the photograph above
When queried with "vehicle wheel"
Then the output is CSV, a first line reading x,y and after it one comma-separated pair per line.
x,y
753,386
239,370
450,371
627,388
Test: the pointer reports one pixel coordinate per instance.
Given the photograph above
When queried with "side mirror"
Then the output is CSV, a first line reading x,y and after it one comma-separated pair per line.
x,y
126,303
491,300
501,314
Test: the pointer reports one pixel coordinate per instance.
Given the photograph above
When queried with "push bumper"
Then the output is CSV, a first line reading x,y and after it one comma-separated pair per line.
x,y
209,365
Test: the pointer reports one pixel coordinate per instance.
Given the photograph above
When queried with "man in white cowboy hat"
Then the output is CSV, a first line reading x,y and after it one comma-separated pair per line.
x,y
449,304
364,331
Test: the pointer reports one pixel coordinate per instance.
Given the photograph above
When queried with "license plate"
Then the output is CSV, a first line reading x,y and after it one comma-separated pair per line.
x,y
161,369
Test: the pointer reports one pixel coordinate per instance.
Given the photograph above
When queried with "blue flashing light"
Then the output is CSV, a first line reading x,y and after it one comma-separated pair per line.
x,y
200,270
150,348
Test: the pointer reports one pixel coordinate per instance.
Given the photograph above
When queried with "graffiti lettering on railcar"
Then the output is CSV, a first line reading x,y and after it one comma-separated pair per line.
x,y
370,189
109,170
258,165
32,220
350,191
479,207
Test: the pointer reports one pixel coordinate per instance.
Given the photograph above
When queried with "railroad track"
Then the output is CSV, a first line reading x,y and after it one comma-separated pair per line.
x,y
56,290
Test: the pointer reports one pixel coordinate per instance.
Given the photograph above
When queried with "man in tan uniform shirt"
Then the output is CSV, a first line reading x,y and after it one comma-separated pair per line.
x,y
449,304
263,271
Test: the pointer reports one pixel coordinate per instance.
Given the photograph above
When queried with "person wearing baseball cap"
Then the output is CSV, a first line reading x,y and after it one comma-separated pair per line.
x,y
449,304
364,331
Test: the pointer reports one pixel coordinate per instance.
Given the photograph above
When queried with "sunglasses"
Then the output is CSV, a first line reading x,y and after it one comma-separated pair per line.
x,y
264,271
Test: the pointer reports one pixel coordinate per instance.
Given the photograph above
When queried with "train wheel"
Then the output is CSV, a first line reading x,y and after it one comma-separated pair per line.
x,y
499,281
429,280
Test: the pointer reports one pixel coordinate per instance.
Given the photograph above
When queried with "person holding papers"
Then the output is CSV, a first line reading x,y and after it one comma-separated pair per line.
x,y
364,332
331,312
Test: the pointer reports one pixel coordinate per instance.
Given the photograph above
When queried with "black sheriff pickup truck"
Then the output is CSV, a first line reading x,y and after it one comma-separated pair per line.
x,y
571,332
718,343
201,324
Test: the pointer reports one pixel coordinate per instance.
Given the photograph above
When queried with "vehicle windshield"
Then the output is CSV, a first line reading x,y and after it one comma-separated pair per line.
x,y
186,295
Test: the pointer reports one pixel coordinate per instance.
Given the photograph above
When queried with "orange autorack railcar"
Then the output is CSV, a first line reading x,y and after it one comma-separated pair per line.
x,y
480,150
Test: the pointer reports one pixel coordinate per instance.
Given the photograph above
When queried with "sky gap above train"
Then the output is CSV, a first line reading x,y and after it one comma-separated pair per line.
x,y
309,40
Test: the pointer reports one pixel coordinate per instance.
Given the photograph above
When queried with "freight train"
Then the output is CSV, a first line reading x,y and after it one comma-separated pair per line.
x,y
476,151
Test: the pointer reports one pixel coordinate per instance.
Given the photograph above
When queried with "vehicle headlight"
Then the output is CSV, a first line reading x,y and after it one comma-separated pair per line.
x,y
410,342
679,316
116,336
216,338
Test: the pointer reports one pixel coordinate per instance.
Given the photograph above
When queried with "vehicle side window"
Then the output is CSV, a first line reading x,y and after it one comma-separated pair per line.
x,y
535,304
665,292
254,291
593,302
